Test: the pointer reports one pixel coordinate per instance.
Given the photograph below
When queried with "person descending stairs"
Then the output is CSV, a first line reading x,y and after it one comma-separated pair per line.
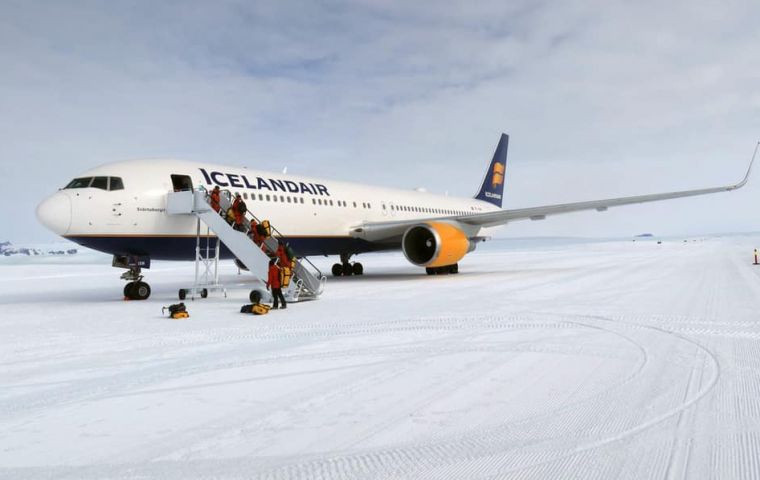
x,y
254,243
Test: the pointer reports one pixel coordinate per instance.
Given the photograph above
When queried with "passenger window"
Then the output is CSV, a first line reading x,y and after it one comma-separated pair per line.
x,y
274,198
79,183
116,184
245,195
100,182
268,198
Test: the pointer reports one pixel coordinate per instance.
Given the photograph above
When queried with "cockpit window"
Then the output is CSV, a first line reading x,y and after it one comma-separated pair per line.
x,y
103,183
116,183
100,182
79,183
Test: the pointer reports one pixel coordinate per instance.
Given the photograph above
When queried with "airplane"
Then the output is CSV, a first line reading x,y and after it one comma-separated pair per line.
x,y
120,208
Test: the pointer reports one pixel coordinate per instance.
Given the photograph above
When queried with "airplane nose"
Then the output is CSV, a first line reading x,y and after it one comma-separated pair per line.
x,y
55,213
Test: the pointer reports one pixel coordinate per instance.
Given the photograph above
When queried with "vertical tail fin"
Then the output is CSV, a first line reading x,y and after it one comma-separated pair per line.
x,y
492,189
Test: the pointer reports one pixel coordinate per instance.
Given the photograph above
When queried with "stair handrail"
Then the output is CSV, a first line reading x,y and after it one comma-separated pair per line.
x,y
228,194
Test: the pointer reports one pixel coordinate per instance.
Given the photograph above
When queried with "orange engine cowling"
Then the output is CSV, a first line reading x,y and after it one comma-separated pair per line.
x,y
435,244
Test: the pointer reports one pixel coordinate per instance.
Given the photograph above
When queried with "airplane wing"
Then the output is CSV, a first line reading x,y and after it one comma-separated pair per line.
x,y
378,231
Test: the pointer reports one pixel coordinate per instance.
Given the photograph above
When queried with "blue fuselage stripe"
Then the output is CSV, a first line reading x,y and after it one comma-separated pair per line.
x,y
183,247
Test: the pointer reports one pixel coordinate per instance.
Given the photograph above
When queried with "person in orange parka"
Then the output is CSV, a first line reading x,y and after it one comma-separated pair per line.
x,y
254,232
282,255
238,209
215,199
273,282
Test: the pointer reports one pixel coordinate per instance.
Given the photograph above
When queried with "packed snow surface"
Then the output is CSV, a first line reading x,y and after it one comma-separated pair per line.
x,y
539,360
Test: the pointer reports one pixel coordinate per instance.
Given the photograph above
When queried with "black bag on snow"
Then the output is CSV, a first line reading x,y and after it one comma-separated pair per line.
x,y
176,311
246,308
176,308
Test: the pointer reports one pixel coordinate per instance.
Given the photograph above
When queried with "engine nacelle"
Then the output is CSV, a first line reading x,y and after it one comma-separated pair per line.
x,y
435,244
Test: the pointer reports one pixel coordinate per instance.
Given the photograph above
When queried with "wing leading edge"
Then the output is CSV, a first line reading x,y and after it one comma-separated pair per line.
x,y
381,230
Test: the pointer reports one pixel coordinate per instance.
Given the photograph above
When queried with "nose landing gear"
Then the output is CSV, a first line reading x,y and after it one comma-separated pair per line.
x,y
135,289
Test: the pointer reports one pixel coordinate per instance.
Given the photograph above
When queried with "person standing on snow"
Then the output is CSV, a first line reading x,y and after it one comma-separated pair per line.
x,y
273,282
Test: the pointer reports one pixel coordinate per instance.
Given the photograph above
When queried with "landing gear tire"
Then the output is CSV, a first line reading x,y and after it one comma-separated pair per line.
x,y
358,269
348,270
337,270
141,291
204,293
182,294
454,268
255,296
137,291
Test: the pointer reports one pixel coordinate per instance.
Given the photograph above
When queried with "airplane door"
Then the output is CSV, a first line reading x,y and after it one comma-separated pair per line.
x,y
392,209
181,182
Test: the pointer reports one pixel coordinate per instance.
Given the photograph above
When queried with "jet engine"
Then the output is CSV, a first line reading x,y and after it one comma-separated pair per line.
x,y
435,244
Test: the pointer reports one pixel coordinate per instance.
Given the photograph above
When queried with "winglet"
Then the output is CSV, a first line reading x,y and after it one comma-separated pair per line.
x,y
749,170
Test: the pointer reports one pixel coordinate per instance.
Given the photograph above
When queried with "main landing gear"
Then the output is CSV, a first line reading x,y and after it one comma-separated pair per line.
x,y
444,270
346,268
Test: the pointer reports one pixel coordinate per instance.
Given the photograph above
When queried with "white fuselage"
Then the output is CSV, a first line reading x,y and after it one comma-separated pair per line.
x,y
316,215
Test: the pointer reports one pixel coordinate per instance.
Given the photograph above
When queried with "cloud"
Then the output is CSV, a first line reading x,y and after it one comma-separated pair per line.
x,y
600,98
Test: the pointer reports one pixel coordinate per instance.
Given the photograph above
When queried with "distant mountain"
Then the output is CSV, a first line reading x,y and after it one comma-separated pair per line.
x,y
8,249
644,235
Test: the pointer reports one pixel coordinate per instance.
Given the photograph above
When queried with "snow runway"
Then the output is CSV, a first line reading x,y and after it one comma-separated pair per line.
x,y
599,360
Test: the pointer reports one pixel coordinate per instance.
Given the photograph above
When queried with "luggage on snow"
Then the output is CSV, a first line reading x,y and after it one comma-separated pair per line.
x,y
176,311
256,309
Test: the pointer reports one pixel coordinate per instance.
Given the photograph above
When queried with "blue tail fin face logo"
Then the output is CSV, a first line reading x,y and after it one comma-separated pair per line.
x,y
492,189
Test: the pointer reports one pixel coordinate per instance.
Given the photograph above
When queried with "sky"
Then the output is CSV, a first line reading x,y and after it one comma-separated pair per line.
x,y
600,99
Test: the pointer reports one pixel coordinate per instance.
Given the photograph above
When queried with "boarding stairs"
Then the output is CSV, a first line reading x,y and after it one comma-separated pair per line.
x,y
307,282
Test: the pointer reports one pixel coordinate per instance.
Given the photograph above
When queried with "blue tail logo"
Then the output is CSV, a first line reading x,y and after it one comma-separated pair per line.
x,y
492,189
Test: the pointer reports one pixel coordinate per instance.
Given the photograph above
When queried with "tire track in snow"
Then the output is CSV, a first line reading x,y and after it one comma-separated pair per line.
x,y
451,452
